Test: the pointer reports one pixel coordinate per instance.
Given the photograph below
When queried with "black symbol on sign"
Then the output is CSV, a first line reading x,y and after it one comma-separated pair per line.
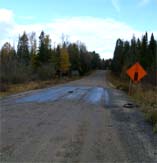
x,y
136,76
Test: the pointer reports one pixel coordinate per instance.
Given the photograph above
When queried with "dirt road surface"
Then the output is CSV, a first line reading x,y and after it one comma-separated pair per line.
x,y
83,121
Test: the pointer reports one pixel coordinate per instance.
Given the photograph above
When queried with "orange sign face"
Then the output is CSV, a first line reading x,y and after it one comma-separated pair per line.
x,y
136,72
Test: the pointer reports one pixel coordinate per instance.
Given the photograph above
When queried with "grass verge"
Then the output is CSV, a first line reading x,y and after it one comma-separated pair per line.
x,y
144,95
32,85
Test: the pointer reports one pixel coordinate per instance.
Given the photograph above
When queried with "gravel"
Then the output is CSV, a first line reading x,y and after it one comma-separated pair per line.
x,y
82,121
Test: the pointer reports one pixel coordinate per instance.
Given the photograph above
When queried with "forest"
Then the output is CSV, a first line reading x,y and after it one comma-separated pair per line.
x,y
142,50
33,60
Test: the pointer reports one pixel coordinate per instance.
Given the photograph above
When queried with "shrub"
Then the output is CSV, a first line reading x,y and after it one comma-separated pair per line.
x,y
4,87
46,72
13,72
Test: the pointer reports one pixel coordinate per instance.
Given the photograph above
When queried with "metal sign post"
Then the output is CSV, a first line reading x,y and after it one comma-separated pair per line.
x,y
130,87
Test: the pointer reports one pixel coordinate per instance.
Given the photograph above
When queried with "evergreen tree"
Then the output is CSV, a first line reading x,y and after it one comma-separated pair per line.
x,y
55,58
152,51
44,48
118,58
41,52
95,62
23,49
74,56
144,52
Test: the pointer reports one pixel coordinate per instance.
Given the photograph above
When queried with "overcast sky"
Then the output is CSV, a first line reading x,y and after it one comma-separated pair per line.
x,y
97,23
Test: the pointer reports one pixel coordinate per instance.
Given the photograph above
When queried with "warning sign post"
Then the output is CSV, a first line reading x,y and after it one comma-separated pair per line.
x,y
136,73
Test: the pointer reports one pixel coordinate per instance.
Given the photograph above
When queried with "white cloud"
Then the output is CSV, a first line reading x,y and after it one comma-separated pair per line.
x,y
6,24
6,16
98,34
116,5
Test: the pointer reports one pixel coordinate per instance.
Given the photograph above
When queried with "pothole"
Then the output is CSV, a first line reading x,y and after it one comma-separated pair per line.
x,y
130,105
70,91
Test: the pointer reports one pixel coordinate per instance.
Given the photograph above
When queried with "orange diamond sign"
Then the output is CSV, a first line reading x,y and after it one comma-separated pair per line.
x,y
136,72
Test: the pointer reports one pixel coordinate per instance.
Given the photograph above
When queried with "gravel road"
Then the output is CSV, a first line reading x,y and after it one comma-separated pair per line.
x,y
83,121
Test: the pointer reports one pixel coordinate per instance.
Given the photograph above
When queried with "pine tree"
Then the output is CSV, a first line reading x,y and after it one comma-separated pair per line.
x,y
74,57
144,52
41,53
23,49
118,58
44,48
95,62
152,51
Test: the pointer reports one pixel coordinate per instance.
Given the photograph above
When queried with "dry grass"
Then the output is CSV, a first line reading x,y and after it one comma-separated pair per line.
x,y
144,95
118,83
9,89
17,88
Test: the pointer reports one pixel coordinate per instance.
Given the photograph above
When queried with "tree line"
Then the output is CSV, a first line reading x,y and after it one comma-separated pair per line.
x,y
142,50
40,61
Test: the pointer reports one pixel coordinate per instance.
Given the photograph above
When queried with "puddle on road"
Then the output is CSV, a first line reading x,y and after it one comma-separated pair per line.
x,y
95,95
87,94
50,94
77,94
